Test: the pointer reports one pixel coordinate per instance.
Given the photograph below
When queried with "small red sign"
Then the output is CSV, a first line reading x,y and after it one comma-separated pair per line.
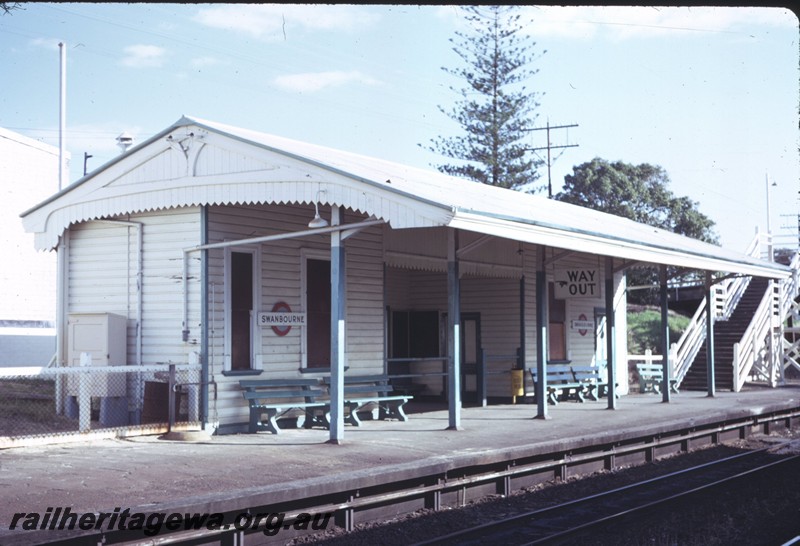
x,y
582,332
281,307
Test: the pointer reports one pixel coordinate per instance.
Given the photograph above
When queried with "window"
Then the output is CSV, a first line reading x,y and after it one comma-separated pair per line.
x,y
415,334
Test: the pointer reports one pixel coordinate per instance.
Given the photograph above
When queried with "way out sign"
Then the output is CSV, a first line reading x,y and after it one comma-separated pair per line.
x,y
576,283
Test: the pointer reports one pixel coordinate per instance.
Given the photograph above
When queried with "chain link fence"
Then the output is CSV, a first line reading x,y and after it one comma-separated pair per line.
x,y
41,403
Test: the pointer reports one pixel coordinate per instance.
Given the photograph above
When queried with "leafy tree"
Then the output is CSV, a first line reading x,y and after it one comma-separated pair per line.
x,y
495,109
638,192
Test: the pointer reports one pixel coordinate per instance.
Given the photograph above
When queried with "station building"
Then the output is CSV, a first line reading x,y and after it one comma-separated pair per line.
x,y
29,173
259,256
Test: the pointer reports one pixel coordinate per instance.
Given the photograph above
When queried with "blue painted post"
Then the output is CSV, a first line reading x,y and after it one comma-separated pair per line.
x,y
337,329
710,310
666,372
611,334
204,312
541,335
481,379
205,373
521,351
454,339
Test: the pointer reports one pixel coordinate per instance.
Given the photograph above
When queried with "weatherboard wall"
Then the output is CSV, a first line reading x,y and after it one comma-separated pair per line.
x,y
381,270
103,264
281,279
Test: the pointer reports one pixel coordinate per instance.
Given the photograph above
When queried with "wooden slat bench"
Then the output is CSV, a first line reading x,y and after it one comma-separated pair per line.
x,y
594,379
366,390
561,383
277,397
651,376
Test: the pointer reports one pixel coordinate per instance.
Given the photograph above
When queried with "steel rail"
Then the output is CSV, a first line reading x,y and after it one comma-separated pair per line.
x,y
495,530
649,506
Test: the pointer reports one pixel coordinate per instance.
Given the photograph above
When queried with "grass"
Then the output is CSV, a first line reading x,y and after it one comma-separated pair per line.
x,y
644,328
27,406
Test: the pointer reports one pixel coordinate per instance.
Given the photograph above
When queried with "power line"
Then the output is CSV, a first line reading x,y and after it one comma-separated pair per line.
x,y
551,147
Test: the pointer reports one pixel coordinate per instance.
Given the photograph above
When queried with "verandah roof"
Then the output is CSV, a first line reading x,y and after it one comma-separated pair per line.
x,y
271,169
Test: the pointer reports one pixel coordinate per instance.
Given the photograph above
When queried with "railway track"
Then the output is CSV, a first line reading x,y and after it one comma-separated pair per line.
x,y
565,522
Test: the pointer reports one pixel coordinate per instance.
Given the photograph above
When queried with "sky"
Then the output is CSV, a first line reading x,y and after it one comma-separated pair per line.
x,y
709,94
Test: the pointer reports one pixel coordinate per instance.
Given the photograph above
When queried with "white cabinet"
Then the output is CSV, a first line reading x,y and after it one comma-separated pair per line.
x,y
104,337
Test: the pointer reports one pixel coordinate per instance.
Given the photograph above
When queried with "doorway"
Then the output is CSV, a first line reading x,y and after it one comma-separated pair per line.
x,y
470,354
318,309
241,310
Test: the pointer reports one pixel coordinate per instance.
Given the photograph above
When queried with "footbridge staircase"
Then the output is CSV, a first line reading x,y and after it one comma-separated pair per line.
x,y
756,332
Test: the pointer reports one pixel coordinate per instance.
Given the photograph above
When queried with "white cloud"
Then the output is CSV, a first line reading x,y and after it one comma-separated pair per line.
x,y
311,82
623,22
46,43
141,56
276,21
202,62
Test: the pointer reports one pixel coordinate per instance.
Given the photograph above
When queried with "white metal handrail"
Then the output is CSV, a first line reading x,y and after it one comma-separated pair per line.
x,y
730,294
726,296
791,289
752,354
790,309
688,345
763,352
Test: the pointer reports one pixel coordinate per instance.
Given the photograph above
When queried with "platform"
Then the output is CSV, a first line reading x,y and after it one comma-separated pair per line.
x,y
151,474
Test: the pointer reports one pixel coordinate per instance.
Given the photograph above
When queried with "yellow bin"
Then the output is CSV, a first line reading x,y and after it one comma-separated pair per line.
x,y
517,384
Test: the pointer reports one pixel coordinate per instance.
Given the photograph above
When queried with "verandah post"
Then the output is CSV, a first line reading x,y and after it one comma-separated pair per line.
x,y
541,335
665,394
337,330
454,339
710,310
611,335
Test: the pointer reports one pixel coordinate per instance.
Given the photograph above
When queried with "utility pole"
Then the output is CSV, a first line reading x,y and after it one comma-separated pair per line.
x,y
62,117
551,147
86,158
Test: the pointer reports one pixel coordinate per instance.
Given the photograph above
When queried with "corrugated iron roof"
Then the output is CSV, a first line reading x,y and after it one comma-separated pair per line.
x,y
405,197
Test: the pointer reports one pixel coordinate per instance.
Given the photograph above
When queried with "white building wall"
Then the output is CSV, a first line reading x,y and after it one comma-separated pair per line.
x,y
497,301
581,349
420,290
103,269
280,271
29,174
492,288
490,270
103,266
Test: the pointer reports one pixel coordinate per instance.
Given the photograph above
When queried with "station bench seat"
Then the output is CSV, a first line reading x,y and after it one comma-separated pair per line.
x,y
277,397
561,383
594,379
371,390
651,376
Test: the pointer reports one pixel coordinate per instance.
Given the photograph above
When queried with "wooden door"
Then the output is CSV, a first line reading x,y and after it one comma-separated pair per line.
x,y
318,302
241,310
